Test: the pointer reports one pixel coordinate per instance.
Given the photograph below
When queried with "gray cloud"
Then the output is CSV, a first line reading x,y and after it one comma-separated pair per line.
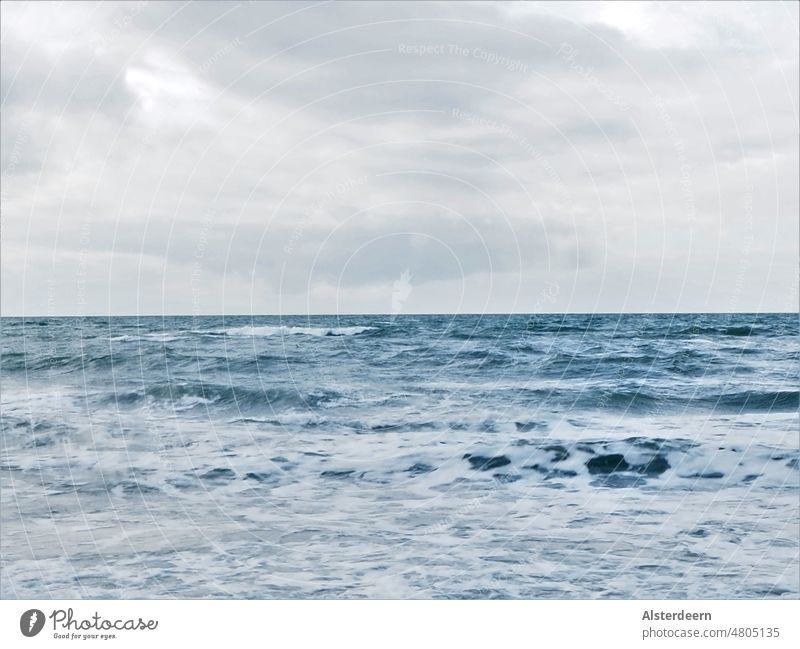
x,y
303,156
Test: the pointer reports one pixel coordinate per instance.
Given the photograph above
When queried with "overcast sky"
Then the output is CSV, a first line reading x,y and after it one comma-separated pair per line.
x,y
398,157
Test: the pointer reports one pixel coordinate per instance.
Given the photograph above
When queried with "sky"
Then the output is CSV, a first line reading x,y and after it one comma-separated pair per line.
x,y
254,158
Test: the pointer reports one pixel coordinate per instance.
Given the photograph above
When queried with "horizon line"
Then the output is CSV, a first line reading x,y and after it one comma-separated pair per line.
x,y
387,314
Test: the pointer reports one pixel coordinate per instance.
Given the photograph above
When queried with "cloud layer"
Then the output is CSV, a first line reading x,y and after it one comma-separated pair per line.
x,y
294,158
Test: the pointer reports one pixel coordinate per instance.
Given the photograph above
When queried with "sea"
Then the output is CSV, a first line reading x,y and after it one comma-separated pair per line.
x,y
412,456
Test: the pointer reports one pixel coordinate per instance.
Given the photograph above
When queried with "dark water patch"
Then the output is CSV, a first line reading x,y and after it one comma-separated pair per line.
x,y
619,480
135,487
339,475
616,463
419,468
219,474
585,447
101,361
771,591
661,444
258,476
528,426
608,464
526,442
735,330
475,593
551,472
655,466
756,401
255,420
638,401
405,426
486,463
13,361
644,401
559,452
506,478
738,331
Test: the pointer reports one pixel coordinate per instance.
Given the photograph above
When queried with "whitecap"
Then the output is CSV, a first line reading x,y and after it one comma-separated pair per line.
x,y
283,330
157,336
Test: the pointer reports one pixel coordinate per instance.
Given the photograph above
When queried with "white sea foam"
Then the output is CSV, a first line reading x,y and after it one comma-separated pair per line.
x,y
163,337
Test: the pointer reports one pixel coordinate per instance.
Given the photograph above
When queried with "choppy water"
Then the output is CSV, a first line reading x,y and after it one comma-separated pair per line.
x,y
418,456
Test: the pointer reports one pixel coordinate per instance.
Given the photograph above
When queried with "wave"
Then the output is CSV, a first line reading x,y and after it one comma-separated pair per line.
x,y
61,363
619,329
644,401
676,463
634,461
187,396
248,330
736,330
754,401
285,330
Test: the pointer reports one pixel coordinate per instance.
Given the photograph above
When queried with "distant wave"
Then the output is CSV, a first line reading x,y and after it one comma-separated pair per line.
x,y
282,399
757,401
247,330
742,330
284,330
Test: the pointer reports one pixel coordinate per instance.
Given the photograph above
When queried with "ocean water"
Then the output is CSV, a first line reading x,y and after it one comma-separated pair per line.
x,y
547,456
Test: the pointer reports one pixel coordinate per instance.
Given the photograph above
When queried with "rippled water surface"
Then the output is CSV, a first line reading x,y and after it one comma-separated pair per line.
x,y
415,456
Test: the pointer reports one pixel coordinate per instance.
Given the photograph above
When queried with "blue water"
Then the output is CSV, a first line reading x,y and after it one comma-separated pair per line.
x,y
547,456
